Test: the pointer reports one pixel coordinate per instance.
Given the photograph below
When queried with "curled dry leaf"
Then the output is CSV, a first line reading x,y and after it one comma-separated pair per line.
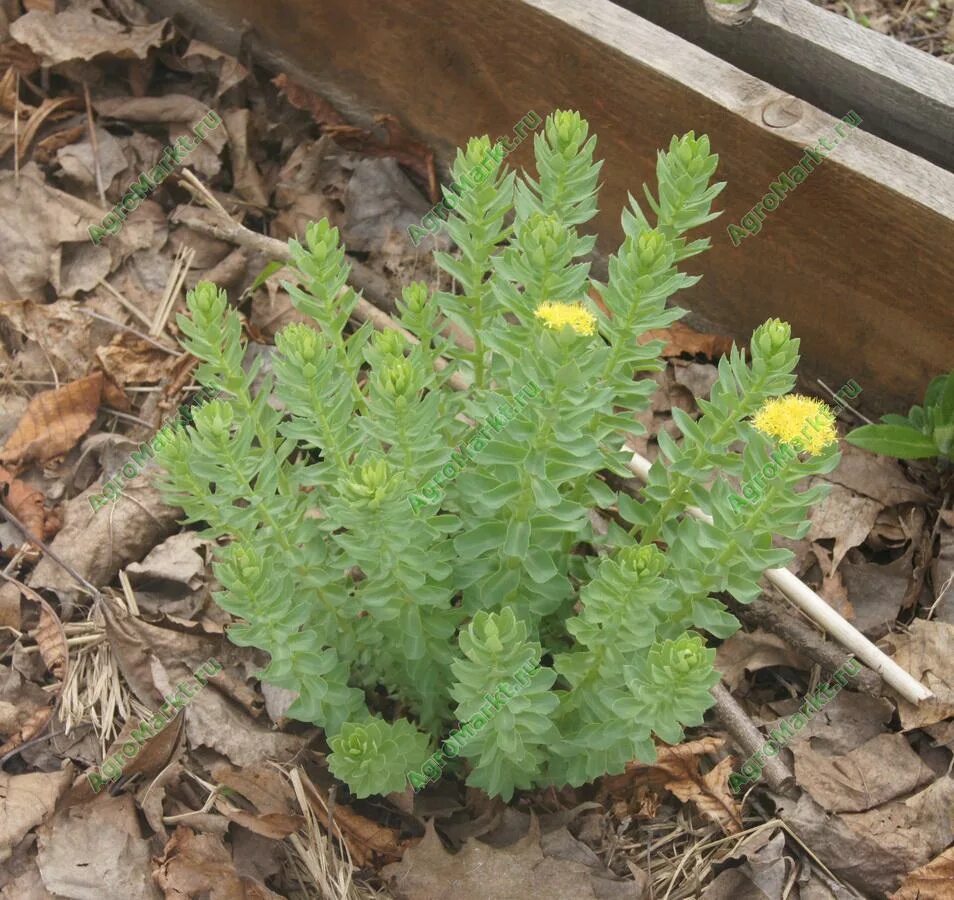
x,y
46,149
367,840
51,640
680,338
301,98
25,503
195,865
709,793
54,421
131,360
270,794
79,34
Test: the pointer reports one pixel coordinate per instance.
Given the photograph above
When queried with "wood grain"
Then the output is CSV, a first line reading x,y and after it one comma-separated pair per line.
x,y
857,258
903,94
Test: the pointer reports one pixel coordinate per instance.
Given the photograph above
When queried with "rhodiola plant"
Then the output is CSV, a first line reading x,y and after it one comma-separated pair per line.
x,y
393,618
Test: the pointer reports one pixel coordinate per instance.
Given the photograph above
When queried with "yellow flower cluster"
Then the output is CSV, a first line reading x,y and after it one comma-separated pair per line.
x,y
798,419
555,315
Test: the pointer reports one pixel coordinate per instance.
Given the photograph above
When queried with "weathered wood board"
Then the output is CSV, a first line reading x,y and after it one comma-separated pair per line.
x,y
904,95
858,257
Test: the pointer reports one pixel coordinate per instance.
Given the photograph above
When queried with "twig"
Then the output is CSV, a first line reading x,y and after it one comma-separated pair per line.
x,y
844,403
797,634
16,130
125,303
750,739
94,142
126,416
200,191
139,334
13,520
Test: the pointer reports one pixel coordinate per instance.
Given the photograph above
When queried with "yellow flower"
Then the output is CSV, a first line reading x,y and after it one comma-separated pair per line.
x,y
806,421
576,315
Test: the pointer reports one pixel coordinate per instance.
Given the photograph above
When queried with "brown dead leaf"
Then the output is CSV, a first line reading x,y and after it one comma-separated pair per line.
x,y
247,181
51,639
61,335
844,516
46,149
680,338
743,653
933,881
18,57
414,155
926,652
878,771
231,71
131,360
709,793
35,221
301,98
25,801
48,109
95,851
200,865
367,840
81,35
26,503
262,785
533,866
54,421
268,792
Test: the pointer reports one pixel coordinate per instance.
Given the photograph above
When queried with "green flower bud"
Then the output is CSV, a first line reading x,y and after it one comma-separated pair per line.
x,y
372,484
398,378
390,343
568,132
206,302
650,245
772,336
642,562
322,240
477,150
214,420
416,296
544,239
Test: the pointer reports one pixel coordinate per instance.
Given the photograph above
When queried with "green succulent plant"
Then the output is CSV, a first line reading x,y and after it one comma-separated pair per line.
x,y
391,626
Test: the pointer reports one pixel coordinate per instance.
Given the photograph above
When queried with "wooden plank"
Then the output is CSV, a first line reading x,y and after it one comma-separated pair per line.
x,y
857,258
904,96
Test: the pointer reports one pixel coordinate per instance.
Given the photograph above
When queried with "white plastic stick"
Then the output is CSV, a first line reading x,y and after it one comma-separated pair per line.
x,y
819,611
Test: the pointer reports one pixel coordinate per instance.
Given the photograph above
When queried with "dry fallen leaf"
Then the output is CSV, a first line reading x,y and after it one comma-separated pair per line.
x,y
301,98
933,881
680,338
533,866
131,360
194,865
94,851
709,793
25,801
79,34
54,421
878,771
51,641
751,652
25,503
926,652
